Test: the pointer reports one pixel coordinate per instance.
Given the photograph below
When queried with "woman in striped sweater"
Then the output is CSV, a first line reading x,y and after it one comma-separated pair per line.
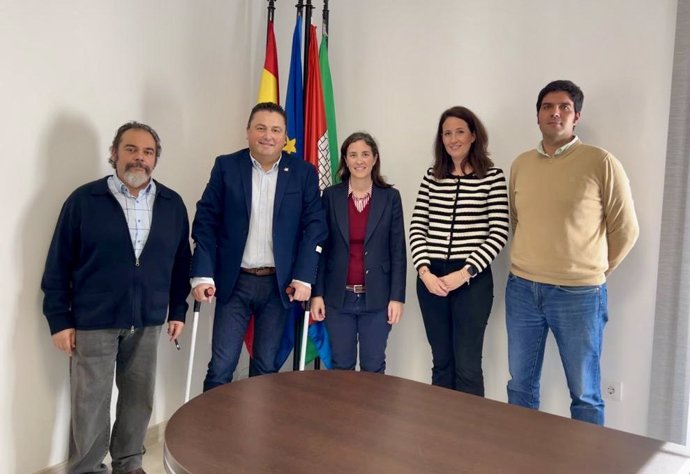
x,y
459,225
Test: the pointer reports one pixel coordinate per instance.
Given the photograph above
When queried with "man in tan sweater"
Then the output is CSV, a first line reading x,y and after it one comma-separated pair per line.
x,y
573,222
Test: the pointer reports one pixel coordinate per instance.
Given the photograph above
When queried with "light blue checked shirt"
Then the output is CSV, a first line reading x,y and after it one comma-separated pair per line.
x,y
138,210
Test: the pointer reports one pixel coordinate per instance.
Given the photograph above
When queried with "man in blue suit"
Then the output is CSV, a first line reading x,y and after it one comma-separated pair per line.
x,y
257,230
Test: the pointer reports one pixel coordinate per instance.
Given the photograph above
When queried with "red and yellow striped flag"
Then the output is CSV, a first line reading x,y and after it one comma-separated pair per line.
x,y
268,92
268,87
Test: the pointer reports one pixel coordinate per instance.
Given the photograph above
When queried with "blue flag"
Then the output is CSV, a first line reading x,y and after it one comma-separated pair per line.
x,y
294,105
318,342
294,109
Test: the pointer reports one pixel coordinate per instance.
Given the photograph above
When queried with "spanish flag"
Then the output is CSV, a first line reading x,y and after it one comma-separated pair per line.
x,y
268,87
268,92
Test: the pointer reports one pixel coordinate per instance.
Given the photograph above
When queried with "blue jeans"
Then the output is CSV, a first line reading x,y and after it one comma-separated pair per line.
x,y
576,315
354,322
257,295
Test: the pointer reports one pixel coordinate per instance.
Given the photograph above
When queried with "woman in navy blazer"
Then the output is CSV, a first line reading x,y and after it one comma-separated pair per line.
x,y
360,285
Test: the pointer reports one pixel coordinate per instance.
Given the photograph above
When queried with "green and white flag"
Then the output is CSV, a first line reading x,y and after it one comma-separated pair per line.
x,y
329,105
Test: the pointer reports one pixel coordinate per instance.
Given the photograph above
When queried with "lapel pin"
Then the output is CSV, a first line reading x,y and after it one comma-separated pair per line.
x,y
286,169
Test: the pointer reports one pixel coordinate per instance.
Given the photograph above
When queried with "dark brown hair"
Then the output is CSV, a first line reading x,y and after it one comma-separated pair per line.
x,y
266,107
344,172
568,87
134,126
478,157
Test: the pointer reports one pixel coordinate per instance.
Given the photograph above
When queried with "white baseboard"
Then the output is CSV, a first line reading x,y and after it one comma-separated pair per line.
x,y
154,435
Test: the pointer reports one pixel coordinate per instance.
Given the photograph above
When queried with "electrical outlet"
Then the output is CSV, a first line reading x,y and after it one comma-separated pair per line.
x,y
613,391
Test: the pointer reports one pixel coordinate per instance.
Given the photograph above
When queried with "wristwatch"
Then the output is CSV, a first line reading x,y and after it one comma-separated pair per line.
x,y
471,270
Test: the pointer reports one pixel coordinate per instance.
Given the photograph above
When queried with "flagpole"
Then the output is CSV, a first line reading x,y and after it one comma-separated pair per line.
x,y
271,9
324,26
300,7
299,324
249,336
307,33
307,38
324,29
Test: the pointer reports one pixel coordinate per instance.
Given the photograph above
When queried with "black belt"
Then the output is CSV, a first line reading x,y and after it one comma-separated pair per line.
x,y
356,289
261,271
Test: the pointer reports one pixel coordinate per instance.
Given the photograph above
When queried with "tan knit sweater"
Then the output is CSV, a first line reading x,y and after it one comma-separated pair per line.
x,y
572,216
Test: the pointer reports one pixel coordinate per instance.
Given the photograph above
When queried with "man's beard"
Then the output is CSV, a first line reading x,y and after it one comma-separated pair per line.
x,y
136,175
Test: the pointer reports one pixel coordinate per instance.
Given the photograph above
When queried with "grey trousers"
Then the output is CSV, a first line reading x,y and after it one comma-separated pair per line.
x,y
131,356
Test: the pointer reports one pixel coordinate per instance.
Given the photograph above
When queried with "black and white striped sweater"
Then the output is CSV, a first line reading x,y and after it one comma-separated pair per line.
x,y
460,218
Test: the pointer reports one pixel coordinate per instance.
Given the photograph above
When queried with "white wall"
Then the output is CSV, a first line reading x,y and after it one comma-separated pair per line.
x,y
74,71
398,65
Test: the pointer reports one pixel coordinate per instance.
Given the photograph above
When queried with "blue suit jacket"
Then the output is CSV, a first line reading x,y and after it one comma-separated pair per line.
x,y
221,224
385,256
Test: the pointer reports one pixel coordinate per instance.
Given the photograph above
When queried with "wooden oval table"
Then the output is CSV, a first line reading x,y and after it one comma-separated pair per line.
x,y
354,422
